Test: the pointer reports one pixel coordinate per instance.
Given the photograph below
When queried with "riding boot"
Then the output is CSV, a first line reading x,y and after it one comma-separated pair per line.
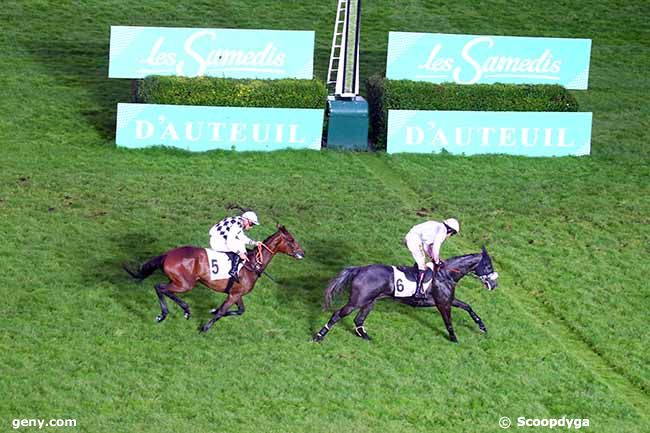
x,y
235,259
419,293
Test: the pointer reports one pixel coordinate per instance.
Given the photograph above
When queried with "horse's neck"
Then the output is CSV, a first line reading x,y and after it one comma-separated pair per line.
x,y
461,266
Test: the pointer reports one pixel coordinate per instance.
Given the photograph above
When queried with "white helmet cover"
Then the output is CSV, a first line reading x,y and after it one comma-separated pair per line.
x,y
251,216
453,224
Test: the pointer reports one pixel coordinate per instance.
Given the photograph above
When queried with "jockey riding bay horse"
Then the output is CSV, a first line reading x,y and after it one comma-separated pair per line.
x,y
186,265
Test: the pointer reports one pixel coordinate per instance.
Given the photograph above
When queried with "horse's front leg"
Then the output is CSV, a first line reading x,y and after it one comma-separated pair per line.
x,y
241,309
221,311
445,312
460,304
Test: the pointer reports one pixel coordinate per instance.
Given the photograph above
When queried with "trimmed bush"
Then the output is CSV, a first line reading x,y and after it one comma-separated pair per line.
x,y
227,92
384,95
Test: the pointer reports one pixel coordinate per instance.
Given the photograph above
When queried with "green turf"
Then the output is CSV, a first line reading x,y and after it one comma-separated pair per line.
x,y
567,332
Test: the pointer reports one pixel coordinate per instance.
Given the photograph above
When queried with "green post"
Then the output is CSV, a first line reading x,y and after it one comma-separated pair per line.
x,y
348,123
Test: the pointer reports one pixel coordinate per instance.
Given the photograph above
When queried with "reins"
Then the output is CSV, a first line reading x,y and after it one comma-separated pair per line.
x,y
258,260
258,254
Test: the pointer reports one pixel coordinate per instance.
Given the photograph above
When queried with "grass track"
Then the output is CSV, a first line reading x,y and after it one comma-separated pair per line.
x,y
561,331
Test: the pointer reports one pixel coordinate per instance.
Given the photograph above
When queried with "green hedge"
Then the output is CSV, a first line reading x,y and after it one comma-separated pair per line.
x,y
384,95
211,91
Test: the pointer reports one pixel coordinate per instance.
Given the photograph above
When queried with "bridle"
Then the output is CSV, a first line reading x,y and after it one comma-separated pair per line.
x,y
492,277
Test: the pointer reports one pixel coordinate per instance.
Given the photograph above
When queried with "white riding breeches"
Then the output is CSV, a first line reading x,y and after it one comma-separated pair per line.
x,y
416,247
218,243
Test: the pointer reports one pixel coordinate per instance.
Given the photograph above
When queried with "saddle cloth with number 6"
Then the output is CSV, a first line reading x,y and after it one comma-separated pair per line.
x,y
404,285
220,264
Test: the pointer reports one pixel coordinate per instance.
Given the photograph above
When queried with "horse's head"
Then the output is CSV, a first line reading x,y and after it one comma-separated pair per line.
x,y
485,271
287,244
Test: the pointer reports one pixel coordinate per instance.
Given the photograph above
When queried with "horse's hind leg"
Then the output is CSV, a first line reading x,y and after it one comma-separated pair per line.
x,y
359,329
180,303
163,305
338,315
460,304
167,290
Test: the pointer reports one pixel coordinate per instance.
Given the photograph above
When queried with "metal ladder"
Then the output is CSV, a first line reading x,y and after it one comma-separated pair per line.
x,y
338,46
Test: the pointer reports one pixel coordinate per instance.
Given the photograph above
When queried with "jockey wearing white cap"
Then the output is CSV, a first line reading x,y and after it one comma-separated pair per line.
x,y
427,238
228,236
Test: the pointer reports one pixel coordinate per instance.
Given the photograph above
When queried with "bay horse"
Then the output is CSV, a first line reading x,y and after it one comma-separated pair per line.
x,y
186,265
373,282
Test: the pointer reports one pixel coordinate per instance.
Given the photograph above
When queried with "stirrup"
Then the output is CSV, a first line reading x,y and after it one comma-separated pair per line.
x,y
419,288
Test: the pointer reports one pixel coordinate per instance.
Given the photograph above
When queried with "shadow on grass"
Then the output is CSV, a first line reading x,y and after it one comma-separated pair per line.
x,y
76,64
136,297
304,292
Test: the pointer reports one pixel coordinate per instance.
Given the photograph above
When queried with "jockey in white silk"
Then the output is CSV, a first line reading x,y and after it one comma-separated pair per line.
x,y
227,236
426,239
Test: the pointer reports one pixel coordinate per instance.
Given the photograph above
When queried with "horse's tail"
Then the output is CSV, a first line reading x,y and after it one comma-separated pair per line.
x,y
338,283
147,268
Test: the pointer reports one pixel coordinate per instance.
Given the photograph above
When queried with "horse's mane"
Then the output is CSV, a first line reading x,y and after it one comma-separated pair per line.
x,y
464,256
271,236
461,259
453,261
268,238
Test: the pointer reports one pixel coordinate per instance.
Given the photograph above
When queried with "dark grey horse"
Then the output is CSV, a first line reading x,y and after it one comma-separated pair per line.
x,y
373,282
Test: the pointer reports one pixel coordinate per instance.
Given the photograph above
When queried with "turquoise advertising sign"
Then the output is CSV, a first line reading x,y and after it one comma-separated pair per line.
x,y
198,128
469,59
136,52
480,132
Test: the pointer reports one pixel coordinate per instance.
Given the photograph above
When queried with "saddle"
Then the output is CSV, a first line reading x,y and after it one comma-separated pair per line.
x,y
411,273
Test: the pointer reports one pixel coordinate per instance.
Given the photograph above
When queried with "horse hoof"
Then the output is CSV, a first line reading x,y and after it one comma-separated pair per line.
x,y
363,335
453,339
204,329
160,318
317,338
214,310
187,316
360,331
483,330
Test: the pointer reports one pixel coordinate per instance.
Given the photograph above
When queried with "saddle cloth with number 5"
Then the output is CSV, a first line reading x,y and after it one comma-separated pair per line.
x,y
220,264
404,287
